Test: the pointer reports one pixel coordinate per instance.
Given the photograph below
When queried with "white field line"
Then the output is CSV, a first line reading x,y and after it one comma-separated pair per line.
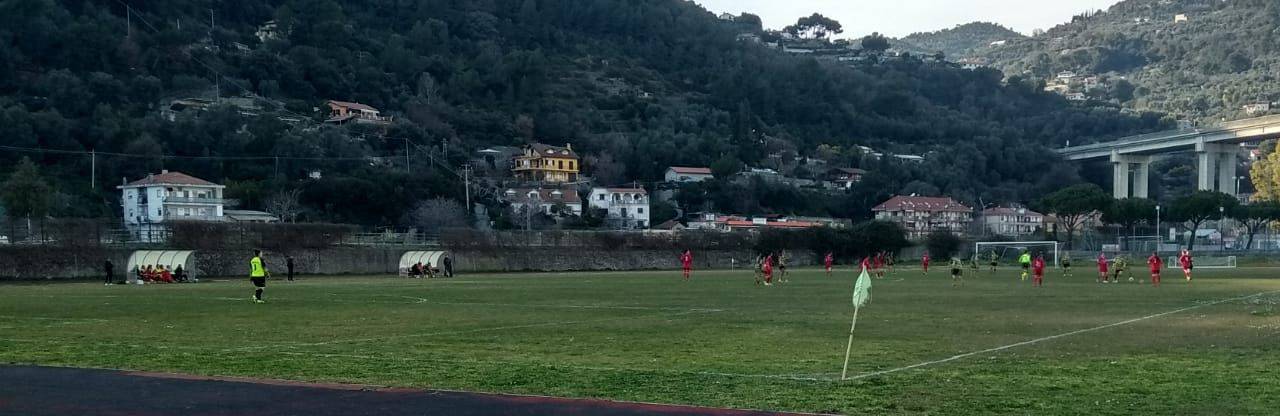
x,y
45,318
457,332
1053,337
529,305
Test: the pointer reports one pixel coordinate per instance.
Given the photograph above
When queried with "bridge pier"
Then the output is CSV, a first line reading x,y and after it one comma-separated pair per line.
x,y
1131,167
1216,167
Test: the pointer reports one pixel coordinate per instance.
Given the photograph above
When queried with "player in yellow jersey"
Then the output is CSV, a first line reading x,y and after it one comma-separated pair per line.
x,y
258,275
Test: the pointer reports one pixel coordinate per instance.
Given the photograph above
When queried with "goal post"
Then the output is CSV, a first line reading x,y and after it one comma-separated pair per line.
x,y
1010,250
1204,262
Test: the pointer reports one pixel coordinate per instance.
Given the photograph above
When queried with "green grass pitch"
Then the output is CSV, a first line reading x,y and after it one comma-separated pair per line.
x,y
716,341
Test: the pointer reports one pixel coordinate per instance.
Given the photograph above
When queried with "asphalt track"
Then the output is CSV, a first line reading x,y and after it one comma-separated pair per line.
x,y
39,391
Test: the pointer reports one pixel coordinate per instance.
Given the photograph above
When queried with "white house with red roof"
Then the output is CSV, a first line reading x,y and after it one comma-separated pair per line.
x,y
625,208
545,199
922,215
680,174
169,196
342,112
1012,221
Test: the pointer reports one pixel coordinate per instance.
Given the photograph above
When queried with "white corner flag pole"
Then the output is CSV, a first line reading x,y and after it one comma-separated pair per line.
x,y
849,348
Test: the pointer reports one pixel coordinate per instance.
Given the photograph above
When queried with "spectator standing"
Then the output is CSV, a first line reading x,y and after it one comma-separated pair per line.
x,y
289,264
110,270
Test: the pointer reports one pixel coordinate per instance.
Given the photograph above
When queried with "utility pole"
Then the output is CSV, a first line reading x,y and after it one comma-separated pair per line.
x,y
277,158
407,168
93,169
128,13
444,149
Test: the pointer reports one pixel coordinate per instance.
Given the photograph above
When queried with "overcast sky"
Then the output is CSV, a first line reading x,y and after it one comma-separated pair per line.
x,y
898,18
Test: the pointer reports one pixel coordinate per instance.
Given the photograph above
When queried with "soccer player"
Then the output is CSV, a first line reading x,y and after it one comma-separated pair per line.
x,y
767,269
1025,260
686,261
866,263
1102,267
782,266
924,262
1121,266
288,264
890,261
258,275
1066,264
957,273
1184,260
1155,264
995,260
758,270
879,265
827,261
110,270
1037,268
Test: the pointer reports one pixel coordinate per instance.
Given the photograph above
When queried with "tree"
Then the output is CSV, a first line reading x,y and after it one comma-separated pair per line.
x,y
815,26
726,167
875,42
1256,217
26,194
1129,212
287,205
1193,210
1265,175
943,244
1073,204
436,215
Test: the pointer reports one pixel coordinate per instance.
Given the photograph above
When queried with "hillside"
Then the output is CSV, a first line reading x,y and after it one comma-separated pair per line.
x,y
963,40
635,86
1201,60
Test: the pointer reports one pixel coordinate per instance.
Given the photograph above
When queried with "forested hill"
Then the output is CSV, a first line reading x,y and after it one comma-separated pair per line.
x,y
634,85
1198,59
963,40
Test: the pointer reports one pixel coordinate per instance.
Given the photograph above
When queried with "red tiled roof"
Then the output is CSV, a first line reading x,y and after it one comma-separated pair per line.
x,y
351,105
921,203
171,178
851,171
549,150
632,190
691,171
567,195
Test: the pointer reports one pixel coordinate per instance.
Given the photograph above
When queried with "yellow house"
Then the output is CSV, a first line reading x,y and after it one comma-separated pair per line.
x,y
544,163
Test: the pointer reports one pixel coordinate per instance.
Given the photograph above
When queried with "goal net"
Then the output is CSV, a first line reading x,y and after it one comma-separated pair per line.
x,y
1007,252
1203,262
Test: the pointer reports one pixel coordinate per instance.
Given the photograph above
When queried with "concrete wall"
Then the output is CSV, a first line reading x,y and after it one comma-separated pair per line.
x,y
38,263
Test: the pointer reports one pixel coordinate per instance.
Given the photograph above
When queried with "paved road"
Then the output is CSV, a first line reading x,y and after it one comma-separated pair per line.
x,y
39,391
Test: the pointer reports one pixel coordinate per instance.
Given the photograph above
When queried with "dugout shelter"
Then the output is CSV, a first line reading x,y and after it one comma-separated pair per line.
x,y
433,258
170,259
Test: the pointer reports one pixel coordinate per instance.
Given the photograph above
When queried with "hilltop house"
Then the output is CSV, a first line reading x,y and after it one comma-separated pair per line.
x,y
546,163
625,208
923,215
342,112
844,178
677,174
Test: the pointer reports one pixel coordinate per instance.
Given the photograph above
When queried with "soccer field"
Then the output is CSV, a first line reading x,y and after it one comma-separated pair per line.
x,y
994,346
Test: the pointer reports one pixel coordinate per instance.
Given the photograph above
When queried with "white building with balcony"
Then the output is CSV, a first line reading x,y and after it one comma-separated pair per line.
x,y
169,196
625,208
1016,221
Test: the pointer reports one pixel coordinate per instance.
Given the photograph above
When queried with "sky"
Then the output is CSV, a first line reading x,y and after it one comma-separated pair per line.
x,y
898,18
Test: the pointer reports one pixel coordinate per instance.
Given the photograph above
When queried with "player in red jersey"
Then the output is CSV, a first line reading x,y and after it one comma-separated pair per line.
x,y
1184,260
767,269
686,260
866,263
1155,264
1102,268
924,262
879,265
827,261
1037,271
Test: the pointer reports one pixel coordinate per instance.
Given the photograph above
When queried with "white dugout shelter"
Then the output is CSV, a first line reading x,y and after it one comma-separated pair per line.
x,y
170,259
433,258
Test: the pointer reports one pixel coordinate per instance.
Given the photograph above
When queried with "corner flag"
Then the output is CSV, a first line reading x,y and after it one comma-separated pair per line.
x,y
862,290
861,295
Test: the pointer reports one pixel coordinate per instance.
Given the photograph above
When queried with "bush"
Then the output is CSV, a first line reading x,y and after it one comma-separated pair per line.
x,y
942,244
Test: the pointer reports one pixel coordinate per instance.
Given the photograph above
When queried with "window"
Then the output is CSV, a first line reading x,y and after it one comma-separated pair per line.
x,y
639,210
600,198
571,165
560,164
